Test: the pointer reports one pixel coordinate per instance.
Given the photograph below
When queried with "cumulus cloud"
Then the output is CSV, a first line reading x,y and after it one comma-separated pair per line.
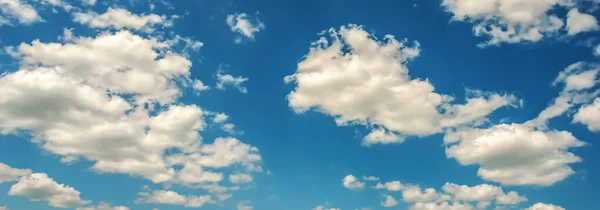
x,y
243,24
390,186
589,115
529,153
118,18
220,118
502,21
38,187
174,198
543,206
352,183
19,10
390,201
112,100
199,86
8,174
357,79
580,22
452,196
104,206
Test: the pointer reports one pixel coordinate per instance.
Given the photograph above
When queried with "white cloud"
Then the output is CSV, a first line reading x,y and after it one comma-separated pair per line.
x,y
199,86
244,205
543,206
8,174
589,115
441,206
173,198
118,18
515,154
483,193
580,22
38,186
368,84
415,194
220,118
370,178
352,183
511,21
16,9
390,186
543,155
324,208
229,128
240,178
59,3
389,201
597,50
240,23
4,208
113,100
104,206
224,80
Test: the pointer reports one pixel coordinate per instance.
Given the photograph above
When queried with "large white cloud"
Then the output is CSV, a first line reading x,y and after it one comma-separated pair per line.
x,y
119,18
357,79
38,186
8,174
508,21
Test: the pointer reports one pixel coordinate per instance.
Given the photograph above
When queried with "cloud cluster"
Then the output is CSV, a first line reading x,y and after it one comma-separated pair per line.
x,y
357,79
38,186
513,21
242,24
118,18
173,198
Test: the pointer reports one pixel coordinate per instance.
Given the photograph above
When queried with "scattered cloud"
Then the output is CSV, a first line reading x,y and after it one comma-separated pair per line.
x,y
389,201
119,18
38,186
352,183
390,186
370,178
224,80
240,178
173,198
244,205
104,206
220,118
243,24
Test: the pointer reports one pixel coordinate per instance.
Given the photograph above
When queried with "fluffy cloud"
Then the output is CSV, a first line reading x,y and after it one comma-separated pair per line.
x,y
104,206
240,178
8,174
589,115
483,194
112,100
510,21
515,154
543,157
16,9
579,22
357,79
390,186
121,19
174,198
543,206
199,86
389,201
240,23
220,118
224,80
38,186
352,183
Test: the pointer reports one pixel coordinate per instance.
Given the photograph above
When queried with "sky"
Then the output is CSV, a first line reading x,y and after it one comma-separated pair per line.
x,y
299,105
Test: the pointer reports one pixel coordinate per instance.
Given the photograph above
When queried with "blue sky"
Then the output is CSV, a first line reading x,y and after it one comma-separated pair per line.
x,y
414,104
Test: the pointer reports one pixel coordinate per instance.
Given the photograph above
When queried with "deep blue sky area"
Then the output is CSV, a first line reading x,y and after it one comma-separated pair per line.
x,y
304,156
